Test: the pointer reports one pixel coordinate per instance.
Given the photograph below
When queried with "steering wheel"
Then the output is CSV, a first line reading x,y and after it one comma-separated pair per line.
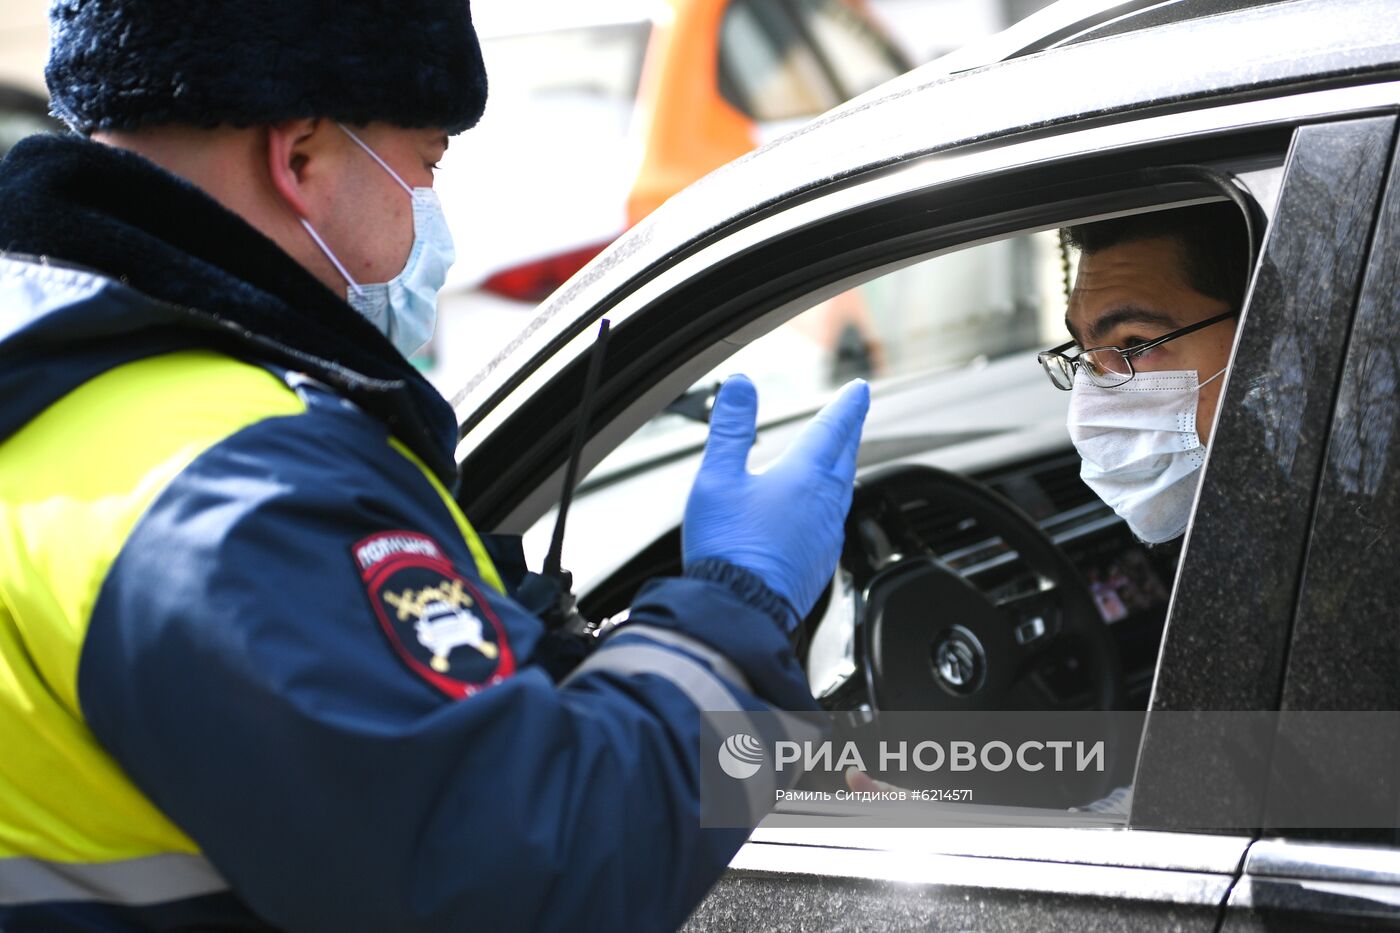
x,y
928,639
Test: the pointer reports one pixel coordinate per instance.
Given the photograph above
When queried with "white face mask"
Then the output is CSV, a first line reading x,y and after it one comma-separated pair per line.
x,y
405,307
1140,448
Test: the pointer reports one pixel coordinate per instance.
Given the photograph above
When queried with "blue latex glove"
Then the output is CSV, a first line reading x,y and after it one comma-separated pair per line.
x,y
787,523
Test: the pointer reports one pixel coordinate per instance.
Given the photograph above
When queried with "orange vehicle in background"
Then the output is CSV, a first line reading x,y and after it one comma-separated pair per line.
x,y
709,102
605,109
692,129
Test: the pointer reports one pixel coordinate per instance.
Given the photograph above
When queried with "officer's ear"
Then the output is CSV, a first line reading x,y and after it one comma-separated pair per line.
x,y
302,162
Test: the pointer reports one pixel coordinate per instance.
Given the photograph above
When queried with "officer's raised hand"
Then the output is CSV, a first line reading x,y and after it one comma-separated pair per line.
x,y
786,523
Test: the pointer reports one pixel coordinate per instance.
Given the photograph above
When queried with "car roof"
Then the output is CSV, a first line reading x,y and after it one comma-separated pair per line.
x,y
1293,45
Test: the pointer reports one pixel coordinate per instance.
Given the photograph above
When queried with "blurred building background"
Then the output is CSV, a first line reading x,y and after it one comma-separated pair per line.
x,y
599,111
24,36
924,29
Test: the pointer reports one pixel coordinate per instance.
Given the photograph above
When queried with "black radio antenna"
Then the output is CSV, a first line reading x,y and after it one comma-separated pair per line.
x,y
553,562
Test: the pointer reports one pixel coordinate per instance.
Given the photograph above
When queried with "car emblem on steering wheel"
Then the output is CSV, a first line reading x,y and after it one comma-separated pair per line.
x,y
958,661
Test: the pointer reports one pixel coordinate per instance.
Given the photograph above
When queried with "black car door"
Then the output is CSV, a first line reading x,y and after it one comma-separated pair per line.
x,y
1344,654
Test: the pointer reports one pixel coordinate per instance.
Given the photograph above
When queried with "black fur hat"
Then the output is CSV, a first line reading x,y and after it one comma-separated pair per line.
x,y
123,64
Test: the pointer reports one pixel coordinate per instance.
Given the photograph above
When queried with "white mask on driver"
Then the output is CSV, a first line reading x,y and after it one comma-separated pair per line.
x,y
1141,452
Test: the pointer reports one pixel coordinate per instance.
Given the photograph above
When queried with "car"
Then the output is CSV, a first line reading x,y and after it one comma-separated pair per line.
x,y
926,209
599,112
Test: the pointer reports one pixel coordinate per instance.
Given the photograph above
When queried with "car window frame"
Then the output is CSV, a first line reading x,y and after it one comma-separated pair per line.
x,y
489,469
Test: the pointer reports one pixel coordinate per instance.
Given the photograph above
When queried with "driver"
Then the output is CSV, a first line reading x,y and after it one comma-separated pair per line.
x,y
1153,315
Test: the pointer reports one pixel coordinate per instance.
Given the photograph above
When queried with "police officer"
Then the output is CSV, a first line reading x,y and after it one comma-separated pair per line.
x,y
256,668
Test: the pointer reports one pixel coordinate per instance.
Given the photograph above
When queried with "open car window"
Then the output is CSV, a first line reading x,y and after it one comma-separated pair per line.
x,y
956,311
951,332
949,343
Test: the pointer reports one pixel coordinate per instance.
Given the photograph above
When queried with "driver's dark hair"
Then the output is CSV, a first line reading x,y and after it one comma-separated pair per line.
x,y
1213,241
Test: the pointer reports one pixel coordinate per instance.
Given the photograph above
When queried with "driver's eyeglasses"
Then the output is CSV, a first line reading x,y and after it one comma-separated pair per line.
x,y
1108,367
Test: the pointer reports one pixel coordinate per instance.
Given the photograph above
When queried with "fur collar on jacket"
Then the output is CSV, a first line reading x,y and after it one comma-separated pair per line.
x,y
83,203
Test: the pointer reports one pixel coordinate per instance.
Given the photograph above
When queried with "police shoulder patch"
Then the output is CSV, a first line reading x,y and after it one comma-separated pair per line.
x,y
436,620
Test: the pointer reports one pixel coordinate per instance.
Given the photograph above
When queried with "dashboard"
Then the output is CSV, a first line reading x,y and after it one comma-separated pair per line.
x,y
1130,582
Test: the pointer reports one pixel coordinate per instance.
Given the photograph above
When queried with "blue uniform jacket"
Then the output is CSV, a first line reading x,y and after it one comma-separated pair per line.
x,y
283,634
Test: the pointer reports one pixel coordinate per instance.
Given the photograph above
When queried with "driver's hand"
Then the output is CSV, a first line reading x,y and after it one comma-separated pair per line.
x,y
858,781
787,523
